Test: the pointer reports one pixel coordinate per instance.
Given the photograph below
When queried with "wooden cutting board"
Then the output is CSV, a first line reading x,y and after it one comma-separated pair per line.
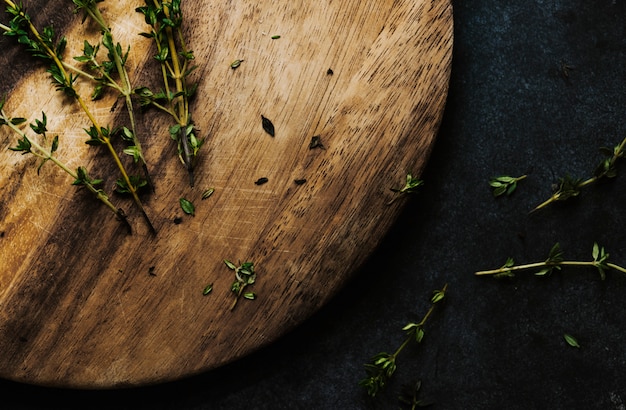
x,y
85,305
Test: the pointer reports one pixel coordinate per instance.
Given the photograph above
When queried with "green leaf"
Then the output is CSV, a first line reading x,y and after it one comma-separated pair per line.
x,y
187,206
596,251
18,120
55,144
138,182
208,289
419,335
438,296
206,194
230,264
250,295
24,146
134,152
571,340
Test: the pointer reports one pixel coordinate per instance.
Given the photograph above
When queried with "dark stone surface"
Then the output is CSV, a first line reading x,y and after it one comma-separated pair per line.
x,y
537,86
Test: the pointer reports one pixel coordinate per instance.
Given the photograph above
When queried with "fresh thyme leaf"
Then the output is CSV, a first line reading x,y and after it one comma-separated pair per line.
x,y
208,289
571,340
23,146
268,126
206,194
187,206
275,37
235,64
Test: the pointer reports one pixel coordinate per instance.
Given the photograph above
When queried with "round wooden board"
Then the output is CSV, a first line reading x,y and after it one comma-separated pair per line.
x,y
85,305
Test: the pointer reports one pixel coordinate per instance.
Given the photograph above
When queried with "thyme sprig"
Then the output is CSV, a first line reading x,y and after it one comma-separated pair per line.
x,y
165,20
27,145
569,187
504,184
116,62
244,277
554,262
44,45
383,365
411,185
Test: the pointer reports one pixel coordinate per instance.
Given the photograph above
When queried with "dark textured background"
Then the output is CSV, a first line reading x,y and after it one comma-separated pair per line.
x,y
495,344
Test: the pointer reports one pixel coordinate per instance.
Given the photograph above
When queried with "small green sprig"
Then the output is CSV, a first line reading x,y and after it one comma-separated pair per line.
x,y
383,365
165,20
569,187
555,262
411,185
244,276
504,184
26,145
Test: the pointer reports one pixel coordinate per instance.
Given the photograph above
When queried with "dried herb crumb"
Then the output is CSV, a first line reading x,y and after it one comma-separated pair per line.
x,y
261,181
151,270
268,126
300,181
316,142
330,71
178,220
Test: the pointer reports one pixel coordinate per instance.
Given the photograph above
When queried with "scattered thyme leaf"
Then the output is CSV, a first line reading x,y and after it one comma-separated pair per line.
x,y
235,64
261,181
316,142
187,207
207,289
206,194
275,37
268,126
571,340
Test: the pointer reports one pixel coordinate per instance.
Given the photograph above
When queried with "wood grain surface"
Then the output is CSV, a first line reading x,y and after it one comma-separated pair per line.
x,y
85,305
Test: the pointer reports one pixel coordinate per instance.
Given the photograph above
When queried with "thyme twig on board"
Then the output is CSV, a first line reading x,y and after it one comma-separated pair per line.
x,y
43,45
244,277
410,187
28,145
165,20
117,62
